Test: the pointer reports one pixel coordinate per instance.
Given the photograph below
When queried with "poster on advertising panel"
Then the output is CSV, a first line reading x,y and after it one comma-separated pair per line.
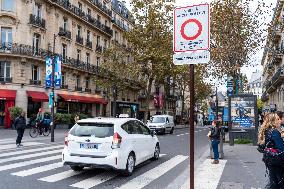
x,y
48,72
57,76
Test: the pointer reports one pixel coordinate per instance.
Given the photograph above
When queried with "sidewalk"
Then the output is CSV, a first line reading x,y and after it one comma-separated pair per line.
x,y
187,126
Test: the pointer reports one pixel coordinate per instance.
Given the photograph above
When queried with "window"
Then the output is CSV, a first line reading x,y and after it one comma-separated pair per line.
x,y
98,61
143,128
65,24
99,18
78,54
100,130
105,43
79,28
89,12
87,82
80,5
88,58
37,10
8,5
116,35
35,73
36,43
131,128
98,40
6,36
88,36
63,78
128,58
106,22
5,71
64,52
78,81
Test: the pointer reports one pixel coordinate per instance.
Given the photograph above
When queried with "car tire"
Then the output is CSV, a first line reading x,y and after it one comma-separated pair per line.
x,y
172,130
76,168
130,165
156,153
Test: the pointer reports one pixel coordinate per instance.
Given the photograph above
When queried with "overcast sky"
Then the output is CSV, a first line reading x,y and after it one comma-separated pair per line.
x,y
257,59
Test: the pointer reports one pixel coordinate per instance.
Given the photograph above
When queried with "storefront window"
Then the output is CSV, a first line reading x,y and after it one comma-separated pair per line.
x,y
2,112
33,108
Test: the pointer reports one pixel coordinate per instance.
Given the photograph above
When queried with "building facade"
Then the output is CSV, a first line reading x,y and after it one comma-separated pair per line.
x,y
80,31
255,84
273,65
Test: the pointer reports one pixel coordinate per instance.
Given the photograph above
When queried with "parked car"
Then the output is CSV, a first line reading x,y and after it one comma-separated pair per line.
x,y
161,124
117,143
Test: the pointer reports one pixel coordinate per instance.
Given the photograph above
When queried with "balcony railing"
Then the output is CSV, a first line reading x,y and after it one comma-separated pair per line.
x,y
88,90
120,24
37,21
20,49
78,88
6,79
99,49
35,82
122,11
65,4
64,33
79,40
89,44
64,86
101,7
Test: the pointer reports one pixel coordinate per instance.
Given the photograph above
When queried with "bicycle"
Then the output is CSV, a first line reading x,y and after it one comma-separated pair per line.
x,y
36,130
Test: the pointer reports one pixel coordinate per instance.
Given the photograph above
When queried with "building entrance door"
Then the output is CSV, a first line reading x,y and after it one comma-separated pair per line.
x,y
2,112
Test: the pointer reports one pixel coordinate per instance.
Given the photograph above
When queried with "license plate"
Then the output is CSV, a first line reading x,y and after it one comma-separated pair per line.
x,y
88,145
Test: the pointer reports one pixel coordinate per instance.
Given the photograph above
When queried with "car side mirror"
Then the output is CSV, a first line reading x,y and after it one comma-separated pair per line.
x,y
153,133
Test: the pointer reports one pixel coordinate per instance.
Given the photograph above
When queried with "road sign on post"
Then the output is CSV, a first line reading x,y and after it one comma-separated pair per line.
x,y
191,46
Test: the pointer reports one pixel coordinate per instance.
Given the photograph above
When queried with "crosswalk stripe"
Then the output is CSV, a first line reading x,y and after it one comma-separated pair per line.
x,y
30,150
144,179
94,181
13,141
30,155
36,170
60,176
2,147
211,172
30,162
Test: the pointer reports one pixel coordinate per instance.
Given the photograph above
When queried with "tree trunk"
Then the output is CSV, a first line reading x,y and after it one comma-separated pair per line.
x,y
182,105
148,94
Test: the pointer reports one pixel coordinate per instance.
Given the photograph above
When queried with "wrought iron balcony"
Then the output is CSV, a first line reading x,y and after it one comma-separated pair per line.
x,y
89,44
88,90
6,79
79,40
99,49
120,24
35,82
23,50
64,33
78,88
101,7
264,97
65,4
37,21
64,87
121,10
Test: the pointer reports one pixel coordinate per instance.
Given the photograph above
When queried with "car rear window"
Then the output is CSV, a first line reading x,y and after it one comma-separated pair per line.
x,y
100,130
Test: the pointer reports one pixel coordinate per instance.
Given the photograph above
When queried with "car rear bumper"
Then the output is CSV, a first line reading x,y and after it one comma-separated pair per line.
x,y
158,130
113,161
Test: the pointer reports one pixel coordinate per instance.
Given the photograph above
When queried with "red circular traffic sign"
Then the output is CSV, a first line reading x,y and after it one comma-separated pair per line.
x,y
190,38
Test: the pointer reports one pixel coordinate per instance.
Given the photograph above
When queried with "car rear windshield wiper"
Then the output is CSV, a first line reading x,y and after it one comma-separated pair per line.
x,y
84,135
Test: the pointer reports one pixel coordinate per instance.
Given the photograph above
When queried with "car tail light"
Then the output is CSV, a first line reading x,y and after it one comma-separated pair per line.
x,y
66,139
116,141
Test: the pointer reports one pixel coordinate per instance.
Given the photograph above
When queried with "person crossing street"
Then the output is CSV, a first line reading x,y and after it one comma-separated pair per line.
x,y
20,125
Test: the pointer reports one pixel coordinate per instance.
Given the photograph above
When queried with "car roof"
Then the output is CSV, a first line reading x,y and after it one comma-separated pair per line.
x,y
116,121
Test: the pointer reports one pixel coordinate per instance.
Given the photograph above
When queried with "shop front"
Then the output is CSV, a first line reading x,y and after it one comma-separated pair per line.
x,y
35,101
126,108
7,100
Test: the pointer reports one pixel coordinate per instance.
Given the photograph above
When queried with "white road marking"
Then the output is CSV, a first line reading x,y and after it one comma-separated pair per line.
x,y
94,181
147,177
60,176
30,162
182,134
36,170
30,155
9,146
30,150
161,155
212,173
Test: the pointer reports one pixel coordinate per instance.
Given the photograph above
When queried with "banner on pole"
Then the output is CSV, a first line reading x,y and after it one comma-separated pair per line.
x,y
48,72
50,100
57,76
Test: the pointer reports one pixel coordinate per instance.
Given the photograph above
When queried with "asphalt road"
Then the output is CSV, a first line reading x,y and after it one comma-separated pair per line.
x,y
23,168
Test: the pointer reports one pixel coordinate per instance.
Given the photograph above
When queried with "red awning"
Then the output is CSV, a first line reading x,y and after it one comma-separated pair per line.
x,y
83,99
38,96
6,94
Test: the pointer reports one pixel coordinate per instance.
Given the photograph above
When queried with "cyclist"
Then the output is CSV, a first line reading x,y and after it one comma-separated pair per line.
x,y
39,120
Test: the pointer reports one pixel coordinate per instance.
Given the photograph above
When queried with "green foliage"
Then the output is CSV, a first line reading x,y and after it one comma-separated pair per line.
x,y
260,104
243,141
67,118
15,112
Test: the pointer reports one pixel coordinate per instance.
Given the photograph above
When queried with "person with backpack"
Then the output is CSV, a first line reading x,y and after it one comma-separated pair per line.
x,y
20,126
269,136
214,135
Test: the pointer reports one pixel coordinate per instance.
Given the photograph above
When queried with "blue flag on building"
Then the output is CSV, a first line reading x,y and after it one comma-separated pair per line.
x,y
57,76
48,72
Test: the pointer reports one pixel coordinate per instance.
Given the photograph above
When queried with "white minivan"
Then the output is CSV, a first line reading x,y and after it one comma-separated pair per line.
x,y
161,123
118,143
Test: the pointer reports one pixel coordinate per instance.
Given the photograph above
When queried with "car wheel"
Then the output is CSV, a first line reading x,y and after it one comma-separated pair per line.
x,y
76,168
172,131
130,164
156,152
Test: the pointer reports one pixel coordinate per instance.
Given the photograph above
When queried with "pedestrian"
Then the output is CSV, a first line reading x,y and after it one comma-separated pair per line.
x,y
20,125
270,137
76,118
214,136
281,116
39,120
